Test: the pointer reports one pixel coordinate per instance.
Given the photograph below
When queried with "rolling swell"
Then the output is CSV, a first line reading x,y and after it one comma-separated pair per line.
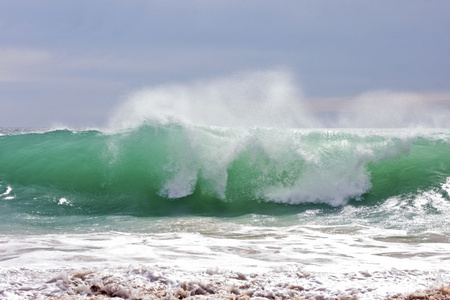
x,y
172,169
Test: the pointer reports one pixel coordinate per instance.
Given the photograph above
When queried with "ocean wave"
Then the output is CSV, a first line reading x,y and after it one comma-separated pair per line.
x,y
158,169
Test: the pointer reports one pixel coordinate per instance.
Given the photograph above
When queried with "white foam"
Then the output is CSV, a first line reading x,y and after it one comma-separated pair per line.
x,y
8,190
64,201
289,165
217,257
6,195
158,282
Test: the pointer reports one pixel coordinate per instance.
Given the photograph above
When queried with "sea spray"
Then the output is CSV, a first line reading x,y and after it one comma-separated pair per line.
x,y
226,187
253,99
232,145
388,109
159,169
274,99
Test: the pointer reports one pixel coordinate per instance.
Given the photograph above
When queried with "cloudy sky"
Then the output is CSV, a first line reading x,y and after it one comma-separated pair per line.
x,y
72,62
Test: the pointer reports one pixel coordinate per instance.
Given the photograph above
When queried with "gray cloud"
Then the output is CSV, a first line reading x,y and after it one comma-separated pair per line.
x,y
88,54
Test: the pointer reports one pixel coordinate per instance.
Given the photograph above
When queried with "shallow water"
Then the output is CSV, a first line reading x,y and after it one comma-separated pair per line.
x,y
262,212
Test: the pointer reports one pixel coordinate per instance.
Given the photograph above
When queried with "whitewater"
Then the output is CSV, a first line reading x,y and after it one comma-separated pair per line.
x,y
227,189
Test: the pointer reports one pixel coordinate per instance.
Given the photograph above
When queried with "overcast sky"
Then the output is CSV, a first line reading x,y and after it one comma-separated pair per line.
x,y
71,62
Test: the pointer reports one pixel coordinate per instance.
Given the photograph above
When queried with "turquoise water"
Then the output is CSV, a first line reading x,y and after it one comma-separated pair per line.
x,y
60,178
227,186
361,212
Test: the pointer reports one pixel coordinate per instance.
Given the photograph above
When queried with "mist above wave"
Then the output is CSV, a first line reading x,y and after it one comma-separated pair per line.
x,y
391,110
265,99
272,99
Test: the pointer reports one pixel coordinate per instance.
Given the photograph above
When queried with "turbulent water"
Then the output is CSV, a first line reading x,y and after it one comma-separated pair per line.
x,y
174,202
166,170
242,200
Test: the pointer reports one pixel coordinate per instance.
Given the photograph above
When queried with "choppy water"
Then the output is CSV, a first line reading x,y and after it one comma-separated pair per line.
x,y
330,202
226,188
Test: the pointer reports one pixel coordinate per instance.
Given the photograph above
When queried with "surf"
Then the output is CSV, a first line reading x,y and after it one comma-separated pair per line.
x,y
235,145
162,169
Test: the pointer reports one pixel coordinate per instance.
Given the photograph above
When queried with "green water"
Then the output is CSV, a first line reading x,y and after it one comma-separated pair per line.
x,y
173,170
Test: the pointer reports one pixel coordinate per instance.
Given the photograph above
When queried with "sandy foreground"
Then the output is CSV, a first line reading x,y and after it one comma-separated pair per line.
x,y
142,283
435,294
442,293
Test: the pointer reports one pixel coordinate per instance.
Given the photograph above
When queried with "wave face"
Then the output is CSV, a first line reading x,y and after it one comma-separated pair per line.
x,y
164,169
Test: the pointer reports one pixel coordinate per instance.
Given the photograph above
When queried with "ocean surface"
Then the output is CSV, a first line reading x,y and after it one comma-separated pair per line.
x,y
170,209
232,188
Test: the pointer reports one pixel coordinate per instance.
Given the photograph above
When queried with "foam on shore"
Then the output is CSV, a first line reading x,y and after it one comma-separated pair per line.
x,y
172,283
